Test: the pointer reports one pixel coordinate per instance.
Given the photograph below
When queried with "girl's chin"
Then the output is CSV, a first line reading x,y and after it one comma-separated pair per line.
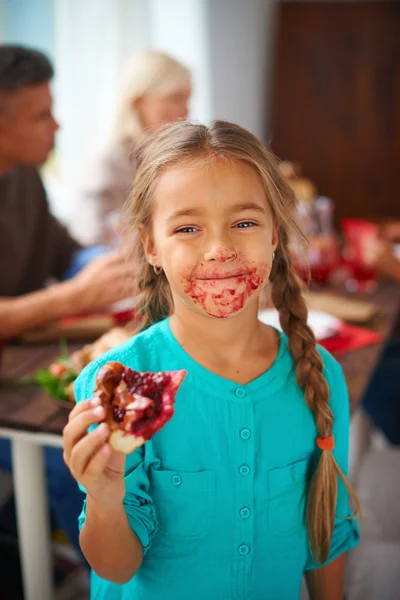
x,y
223,315
219,313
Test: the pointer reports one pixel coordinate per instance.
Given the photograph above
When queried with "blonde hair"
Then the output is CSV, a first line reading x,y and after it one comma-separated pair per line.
x,y
148,71
185,142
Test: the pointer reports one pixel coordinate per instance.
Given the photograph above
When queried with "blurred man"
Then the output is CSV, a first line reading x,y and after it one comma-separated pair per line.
x,y
34,246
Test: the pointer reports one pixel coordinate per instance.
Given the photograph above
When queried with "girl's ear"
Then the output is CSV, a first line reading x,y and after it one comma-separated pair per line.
x,y
148,244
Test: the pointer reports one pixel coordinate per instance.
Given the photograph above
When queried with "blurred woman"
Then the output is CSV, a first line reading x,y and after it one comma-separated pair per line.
x,y
156,90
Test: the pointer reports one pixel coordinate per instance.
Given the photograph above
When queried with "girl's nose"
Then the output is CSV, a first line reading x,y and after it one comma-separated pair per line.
x,y
220,254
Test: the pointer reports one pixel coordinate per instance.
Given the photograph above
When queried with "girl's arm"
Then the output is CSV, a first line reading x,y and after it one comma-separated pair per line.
x,y
107,540
326,583
109,544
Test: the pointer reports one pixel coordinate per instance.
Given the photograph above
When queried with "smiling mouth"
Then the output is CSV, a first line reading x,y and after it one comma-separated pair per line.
x,y
222,277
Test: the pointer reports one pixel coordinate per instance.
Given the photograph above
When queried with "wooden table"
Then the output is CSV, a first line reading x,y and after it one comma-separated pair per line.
x,y
31,420
359,365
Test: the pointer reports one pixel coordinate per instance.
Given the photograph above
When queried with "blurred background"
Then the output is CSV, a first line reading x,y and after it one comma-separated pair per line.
x,y
227,45
319,80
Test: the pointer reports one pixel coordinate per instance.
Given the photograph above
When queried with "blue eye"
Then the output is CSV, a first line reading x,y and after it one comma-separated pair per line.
x,y
186,230
245,224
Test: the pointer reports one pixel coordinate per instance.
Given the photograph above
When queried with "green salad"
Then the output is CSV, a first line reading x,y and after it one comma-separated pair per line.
x,y
57,379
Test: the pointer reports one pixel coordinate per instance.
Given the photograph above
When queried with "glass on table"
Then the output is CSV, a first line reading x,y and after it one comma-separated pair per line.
x,y
317,262
361,239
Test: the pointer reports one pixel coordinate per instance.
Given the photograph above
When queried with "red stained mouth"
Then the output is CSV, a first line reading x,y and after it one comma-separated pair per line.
x,y
217,277
221,293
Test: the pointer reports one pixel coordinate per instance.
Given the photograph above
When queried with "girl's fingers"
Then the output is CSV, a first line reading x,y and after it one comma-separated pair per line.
x,y
84,450
76,429
98,462
83,406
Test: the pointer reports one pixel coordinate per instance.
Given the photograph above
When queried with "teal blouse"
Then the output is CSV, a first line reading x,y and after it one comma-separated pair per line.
x,y
217,497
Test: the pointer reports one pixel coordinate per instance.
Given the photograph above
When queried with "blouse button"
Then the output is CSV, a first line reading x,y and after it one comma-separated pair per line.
x,y
244,513
244,550
244,470
245,434
240,392
176,480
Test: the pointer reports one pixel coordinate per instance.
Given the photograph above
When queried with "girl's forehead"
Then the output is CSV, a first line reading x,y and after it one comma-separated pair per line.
x,y
202,179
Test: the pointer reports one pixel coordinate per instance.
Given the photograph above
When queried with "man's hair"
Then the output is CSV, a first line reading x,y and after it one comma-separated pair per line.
x,y
21,67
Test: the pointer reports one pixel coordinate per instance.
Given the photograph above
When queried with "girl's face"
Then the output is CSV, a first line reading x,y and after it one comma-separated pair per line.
x,y
213,235
156,110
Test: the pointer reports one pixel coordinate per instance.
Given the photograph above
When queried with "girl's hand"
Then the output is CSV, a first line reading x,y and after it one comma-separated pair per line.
x,y
91,460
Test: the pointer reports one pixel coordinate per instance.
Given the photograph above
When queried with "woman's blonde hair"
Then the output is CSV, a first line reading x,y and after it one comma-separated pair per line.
x,y
185,143
148,71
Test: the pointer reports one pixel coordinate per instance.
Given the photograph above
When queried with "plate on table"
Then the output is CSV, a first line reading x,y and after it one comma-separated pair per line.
x,y
323,324
82,327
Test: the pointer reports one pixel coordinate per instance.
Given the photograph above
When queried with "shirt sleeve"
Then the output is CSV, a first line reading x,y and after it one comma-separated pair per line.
x,y
138,503
346,532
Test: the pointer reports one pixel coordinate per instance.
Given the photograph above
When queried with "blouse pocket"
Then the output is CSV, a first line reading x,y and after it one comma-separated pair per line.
x,y
287,490
184,502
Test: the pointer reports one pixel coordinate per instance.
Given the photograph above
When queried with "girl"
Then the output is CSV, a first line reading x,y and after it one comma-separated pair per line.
x,y
243,491
156,90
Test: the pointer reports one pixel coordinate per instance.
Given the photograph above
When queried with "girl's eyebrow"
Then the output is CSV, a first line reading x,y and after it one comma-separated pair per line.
x,y
185,212
248,206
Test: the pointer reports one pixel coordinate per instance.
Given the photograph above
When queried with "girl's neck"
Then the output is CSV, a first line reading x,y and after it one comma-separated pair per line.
x,y
238,345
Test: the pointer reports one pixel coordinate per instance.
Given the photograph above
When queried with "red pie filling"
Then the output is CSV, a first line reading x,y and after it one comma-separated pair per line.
x,y
143,402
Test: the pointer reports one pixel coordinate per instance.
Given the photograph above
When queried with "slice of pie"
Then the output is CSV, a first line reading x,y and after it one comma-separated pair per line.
x,y
137,404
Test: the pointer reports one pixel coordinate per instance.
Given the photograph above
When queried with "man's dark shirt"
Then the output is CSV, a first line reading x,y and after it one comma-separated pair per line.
x,y
34,246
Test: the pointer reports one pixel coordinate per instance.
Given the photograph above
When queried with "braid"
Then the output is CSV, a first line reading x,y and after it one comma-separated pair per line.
x,y
154,301
322,494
